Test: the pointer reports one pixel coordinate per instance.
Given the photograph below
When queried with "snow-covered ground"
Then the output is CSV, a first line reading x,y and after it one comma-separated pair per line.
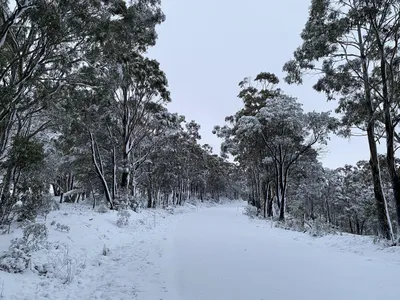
x,y
220,254
134,267
201,253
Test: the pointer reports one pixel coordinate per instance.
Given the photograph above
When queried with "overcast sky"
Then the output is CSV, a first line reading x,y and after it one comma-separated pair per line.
x,y
207,47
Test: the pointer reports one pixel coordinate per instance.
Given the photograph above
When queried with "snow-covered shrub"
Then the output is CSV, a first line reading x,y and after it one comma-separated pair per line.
x,y
17,258
35,236
290,223
170,210
123,218
33,204
48,205
137,203
61,264
251,211
30,193
42,269
102,209
125,202
319,228
62,227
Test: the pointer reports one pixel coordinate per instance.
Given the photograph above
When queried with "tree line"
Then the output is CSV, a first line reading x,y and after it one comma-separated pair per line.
x,y
352,48
83,110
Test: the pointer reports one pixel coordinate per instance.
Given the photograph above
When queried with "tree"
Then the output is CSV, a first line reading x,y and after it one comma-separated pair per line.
x,y
339,34
282,130
383,18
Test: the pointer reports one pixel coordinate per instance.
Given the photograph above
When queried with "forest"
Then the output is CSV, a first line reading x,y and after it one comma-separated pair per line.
x,y
84,117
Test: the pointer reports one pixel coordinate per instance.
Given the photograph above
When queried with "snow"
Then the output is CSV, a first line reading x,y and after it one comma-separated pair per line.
x,y
196,252
131,270
236,258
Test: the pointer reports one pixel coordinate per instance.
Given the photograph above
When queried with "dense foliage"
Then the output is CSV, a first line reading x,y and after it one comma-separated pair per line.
x,y
83,112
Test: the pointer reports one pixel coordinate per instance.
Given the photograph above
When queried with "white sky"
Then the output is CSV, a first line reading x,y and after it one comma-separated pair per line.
x,y
207,47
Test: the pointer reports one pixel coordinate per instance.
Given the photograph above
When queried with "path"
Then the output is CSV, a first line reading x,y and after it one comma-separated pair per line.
x,y
219,254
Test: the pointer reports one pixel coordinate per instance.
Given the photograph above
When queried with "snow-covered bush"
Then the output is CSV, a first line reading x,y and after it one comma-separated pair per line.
x,y
123,218
62,227
102,209
17,258
35,236
48,205
251,211
291,223
137,203
170,210
319,228
61,264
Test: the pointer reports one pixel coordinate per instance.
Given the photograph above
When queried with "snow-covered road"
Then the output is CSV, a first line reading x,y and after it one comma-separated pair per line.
x,y
201,254
219,254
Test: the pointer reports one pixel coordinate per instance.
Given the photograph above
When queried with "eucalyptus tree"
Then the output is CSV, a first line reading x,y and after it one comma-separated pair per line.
x,y
124,91
248,150
35,54
342,34
383,23
284,131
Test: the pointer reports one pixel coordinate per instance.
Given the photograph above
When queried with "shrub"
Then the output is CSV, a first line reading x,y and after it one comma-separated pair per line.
x,y
251,211
35,236
137,203
291,223
17,258
123,218
319,228
48,205
62,227
102,209
61,264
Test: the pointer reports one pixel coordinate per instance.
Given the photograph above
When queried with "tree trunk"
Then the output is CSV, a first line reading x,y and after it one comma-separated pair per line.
x,y
328,211
98,164
384,227
387,71
283,184
270,202
382,213
277,191
149,198
114,187
94,197
5,130
5,201
124,178
312,215
351,226
390,158
265,199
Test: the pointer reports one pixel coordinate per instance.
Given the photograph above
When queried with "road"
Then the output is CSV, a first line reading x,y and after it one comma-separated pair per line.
x,y
220,254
